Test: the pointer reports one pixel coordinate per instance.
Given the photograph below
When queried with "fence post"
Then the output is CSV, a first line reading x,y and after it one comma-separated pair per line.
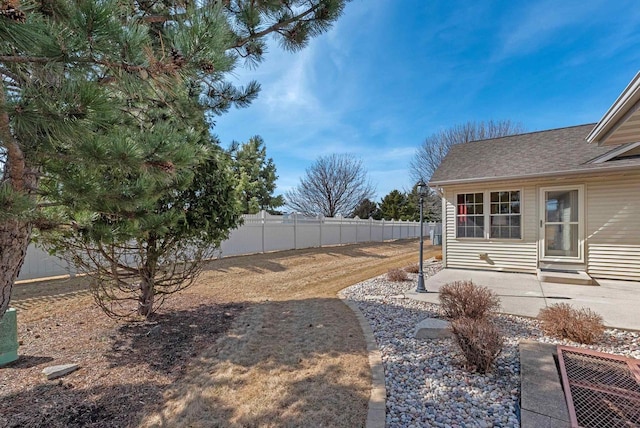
x,y
263,219
320,217
370,229
357,219
340,228
295,231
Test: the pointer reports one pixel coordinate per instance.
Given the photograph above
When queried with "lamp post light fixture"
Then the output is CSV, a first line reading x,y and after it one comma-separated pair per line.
x,y
422,192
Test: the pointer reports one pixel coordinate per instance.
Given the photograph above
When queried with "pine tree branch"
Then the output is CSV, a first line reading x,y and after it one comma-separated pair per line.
x,y
275,27
12,76
13,59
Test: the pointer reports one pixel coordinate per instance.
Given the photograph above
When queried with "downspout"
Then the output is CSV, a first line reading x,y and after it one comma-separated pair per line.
x,y
443,219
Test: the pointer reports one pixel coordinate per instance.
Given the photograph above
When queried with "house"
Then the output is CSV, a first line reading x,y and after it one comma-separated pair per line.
x,y
557,202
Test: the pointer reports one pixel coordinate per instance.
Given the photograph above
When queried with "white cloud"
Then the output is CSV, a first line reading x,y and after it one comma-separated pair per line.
x,y
540,22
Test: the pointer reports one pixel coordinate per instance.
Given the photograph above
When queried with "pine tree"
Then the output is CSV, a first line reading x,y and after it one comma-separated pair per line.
x,y
367,209
431,206
131,273
256,175
97,108
394,205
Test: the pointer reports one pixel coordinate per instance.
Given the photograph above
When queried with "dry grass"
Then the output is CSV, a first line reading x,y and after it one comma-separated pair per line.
x,y
413,268
258,341
464,299
565,322
479,340
397,275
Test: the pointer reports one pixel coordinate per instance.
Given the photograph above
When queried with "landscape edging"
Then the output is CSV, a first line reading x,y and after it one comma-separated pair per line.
x,y
376,415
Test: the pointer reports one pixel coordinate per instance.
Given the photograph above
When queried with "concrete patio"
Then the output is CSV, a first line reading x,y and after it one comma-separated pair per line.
x,y
618,302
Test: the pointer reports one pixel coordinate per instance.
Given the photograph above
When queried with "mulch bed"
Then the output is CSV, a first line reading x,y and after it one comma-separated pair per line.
x,y
125,367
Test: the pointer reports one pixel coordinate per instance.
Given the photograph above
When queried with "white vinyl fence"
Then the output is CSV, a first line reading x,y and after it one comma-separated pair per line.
x,y
263,232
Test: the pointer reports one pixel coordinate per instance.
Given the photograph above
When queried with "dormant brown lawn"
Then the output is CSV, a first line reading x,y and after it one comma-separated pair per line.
x,y
260,340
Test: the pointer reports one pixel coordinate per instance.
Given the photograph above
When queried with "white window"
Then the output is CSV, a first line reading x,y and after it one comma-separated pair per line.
x,y
505,215
500,211
470,215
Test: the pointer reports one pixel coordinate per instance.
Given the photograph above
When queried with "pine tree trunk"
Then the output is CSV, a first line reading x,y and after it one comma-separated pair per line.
x,y
147,284
145,299
14,240
14,233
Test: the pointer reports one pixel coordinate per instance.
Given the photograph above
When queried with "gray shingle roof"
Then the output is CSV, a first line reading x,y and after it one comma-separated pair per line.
x,y
561,151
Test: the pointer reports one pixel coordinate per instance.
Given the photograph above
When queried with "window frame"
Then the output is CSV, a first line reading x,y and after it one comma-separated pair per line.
x,y
483,215
507,214
486,198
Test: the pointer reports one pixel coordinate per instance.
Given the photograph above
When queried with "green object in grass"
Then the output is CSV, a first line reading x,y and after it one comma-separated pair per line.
x,y
8,337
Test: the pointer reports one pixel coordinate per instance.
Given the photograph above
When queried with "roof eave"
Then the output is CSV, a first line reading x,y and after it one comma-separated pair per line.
x,y
617,113
533,176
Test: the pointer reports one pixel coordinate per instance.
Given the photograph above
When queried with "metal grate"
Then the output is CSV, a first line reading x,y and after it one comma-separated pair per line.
x,y
602,390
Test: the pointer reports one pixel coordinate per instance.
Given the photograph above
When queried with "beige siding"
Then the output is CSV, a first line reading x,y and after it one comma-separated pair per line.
x,y
613,227
518,255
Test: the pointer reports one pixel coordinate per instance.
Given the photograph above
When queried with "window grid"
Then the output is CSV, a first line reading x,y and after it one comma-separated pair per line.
x,y
505,215
470,215
503,211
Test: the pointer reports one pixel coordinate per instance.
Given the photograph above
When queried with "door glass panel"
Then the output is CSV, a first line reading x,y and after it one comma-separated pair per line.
x,y
561,206
561,240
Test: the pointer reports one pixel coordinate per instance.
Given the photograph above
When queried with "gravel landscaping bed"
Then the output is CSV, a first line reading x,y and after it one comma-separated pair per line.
x,y
426,382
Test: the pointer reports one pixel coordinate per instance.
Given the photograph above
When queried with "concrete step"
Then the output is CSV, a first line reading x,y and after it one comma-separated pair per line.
x,y
565,277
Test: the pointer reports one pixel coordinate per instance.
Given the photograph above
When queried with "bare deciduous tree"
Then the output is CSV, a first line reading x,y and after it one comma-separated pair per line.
x,y
334,184
435,147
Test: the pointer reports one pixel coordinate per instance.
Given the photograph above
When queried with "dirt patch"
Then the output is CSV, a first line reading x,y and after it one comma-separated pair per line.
x,y
258,341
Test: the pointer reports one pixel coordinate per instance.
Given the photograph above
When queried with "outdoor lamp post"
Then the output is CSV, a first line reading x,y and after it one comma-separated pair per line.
x,y
422,192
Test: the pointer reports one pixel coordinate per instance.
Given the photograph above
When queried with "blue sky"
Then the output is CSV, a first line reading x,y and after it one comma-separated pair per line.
x,y
392,72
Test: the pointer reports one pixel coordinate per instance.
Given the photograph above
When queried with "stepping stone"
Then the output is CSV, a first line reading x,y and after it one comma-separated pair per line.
x,y
433,328
55,372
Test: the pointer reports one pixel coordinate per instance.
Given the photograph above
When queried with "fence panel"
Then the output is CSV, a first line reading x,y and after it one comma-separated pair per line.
x,y
277,237
263,232
244,240
330,234
349,230
38,264
307,235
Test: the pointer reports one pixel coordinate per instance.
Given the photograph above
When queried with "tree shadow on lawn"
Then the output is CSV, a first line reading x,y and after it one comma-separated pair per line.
x,y
124,368
273,261
58,404
171,339
284,363
315,400
28,361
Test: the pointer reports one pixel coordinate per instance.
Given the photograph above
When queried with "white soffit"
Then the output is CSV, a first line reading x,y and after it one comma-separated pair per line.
x,y
621,123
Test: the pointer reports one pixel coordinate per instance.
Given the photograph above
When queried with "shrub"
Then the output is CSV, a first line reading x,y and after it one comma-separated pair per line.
x,y
465,299
397,275
565,322
480,342
415,268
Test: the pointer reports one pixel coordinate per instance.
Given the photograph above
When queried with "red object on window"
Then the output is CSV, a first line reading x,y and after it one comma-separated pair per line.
x,y
462,213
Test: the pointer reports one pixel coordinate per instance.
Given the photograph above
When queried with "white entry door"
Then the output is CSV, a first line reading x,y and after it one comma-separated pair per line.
x,y
562,224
